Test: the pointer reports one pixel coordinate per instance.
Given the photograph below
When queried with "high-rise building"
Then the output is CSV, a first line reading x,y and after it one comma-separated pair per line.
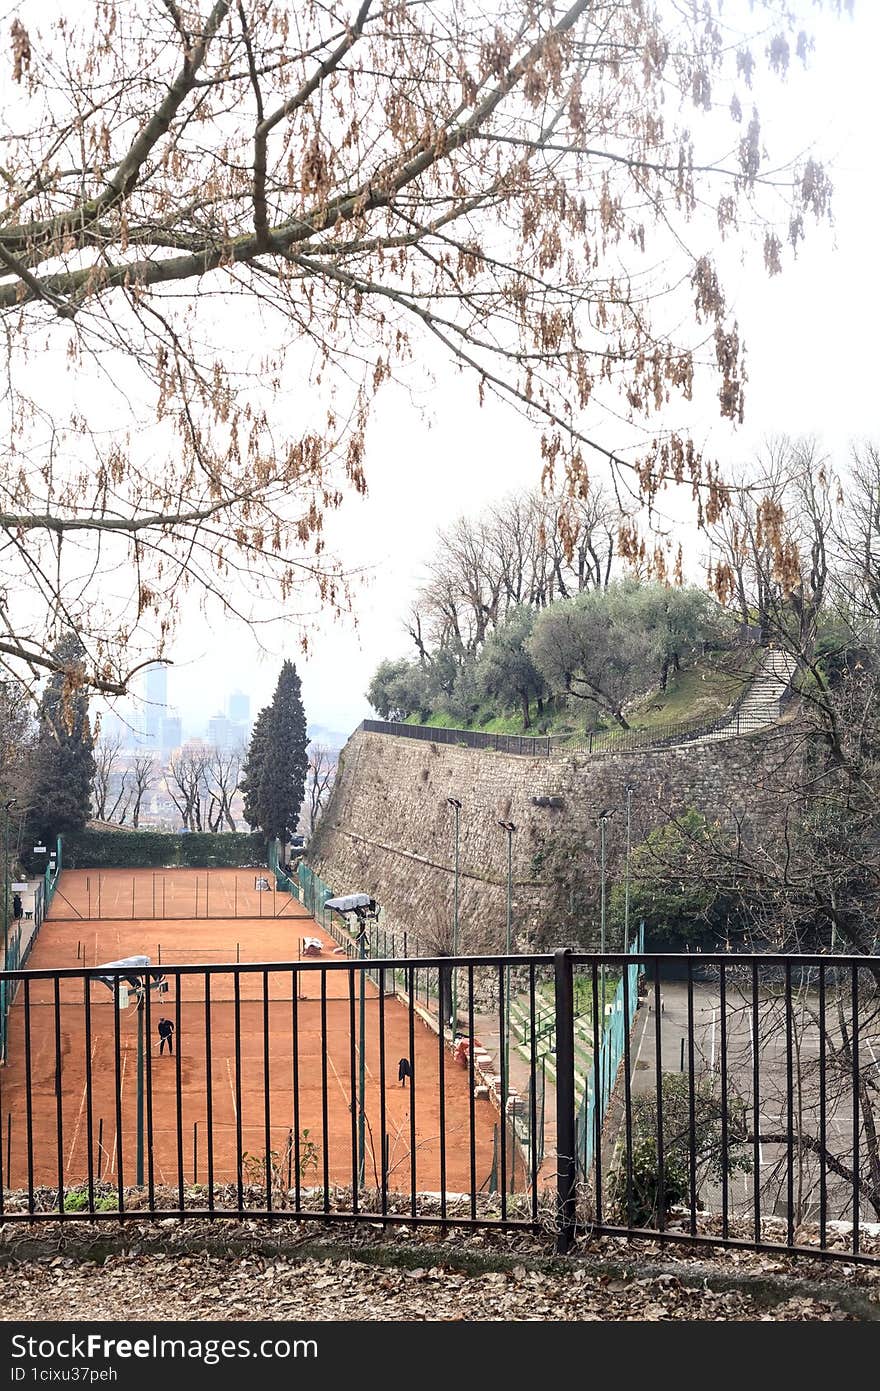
x,y
156,699
220,732
240,708
172,733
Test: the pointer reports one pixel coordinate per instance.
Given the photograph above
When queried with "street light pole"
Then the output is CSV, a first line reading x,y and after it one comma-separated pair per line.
x,y
626,892
509,828
9,805
456,806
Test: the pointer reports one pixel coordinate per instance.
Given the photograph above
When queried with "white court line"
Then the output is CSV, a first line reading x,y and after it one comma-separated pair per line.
x,y
80,1111
231,1088
712,1045
339,1080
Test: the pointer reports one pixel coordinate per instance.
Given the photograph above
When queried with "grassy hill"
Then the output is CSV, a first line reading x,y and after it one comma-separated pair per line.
x,y
702,689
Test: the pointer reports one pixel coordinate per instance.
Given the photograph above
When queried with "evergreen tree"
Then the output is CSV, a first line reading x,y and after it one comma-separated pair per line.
x,y
278,761
252,773
64,762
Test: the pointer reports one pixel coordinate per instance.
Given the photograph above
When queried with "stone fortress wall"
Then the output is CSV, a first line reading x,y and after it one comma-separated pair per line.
x,y
389,831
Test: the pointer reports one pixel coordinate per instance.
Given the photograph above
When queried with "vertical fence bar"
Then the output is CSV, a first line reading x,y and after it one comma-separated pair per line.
x,y
756,1103
294,1024
412,1099
100,1155
267,1094
789,1110
441,1081
823,1118
471,1084
209,1092
239,1160
505,1084
658,1071
725,1153
533,1098
59,1140
2,1150
598,1010
324,1101
148,1048
566,1158
627,1096
354,1107
178,1090
118,1075
382,1107
692,1103
856,1110
195,1152
29,1099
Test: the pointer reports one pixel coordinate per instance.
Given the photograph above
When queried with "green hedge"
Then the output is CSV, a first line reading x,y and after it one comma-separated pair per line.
x,y
143,849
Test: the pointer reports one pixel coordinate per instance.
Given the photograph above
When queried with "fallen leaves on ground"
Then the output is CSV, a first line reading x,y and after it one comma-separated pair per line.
x,y
165,1286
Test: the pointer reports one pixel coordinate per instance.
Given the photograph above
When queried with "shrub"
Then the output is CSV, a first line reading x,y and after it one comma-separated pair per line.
x,y
160,849
708,1153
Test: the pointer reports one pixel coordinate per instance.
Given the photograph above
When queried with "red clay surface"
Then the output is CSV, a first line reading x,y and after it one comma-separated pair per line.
x,y
161,894
241,1093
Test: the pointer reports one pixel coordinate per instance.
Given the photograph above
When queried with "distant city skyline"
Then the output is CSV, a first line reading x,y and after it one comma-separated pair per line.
x,y
152,718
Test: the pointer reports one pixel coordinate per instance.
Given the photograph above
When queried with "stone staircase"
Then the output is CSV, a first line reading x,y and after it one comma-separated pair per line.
x,y
760,704
546,1047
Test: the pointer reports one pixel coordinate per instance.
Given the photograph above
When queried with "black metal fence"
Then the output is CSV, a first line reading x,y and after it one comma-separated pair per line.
x,y
734,723
537,746
744,1111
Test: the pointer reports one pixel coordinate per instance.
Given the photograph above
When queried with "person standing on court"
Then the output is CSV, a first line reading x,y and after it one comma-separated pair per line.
x,y
166,1031
404,1070
17,908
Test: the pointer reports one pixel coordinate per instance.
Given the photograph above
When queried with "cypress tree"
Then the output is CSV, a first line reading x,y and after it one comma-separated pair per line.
x,y
64,762
252,773
286,762
274,783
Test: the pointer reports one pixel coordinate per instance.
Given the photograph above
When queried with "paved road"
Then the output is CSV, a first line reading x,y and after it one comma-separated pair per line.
x,y
773,1070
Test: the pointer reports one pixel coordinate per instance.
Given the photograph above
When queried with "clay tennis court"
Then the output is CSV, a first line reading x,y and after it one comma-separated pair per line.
x,y
158,895
248,1073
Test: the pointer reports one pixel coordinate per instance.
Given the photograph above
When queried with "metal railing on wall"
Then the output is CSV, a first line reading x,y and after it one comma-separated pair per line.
x,y
743,1106
734,723
533,746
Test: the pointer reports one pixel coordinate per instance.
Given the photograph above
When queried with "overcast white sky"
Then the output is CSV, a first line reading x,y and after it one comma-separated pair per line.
x,y
813,369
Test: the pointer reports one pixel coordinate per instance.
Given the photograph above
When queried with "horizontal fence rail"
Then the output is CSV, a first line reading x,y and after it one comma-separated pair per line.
x,y
727,1100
